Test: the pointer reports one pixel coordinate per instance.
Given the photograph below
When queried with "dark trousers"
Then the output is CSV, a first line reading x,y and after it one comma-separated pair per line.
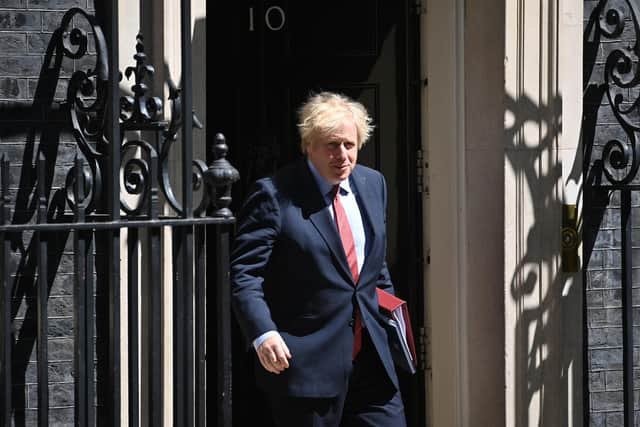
x,y
370,399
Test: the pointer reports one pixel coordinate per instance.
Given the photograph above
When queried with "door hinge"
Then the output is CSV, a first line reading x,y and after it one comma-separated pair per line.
x,y
420,7
422,178
422,348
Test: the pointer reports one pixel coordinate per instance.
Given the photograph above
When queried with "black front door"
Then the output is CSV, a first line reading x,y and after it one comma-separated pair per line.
x,y
264,58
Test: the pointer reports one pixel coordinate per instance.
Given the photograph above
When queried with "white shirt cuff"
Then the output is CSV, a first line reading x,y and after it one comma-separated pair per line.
x,y
262,338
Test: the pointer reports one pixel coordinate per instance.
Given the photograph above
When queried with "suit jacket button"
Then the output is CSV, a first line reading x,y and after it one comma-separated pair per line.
x,y
351,323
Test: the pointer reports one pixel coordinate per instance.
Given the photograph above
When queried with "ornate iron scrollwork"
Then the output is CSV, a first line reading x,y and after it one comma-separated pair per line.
x,y
621,159
140,108
140,113
141,175
86,98
170,135
137,173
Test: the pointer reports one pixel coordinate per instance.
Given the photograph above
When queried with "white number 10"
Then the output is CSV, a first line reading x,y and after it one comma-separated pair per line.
x,y
268,14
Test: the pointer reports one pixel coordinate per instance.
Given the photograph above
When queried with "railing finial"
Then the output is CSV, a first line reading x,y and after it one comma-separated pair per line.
x,y
220,176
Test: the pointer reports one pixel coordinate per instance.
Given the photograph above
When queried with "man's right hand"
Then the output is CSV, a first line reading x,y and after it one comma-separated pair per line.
x,y
274,354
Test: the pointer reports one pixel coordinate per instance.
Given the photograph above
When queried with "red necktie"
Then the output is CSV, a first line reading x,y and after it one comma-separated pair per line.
x,y
344,229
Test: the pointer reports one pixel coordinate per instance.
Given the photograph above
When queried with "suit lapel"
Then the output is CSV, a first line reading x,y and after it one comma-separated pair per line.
x,y
315,208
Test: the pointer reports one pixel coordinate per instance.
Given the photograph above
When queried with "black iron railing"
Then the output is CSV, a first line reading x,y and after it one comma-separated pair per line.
x,y
611,166
119,180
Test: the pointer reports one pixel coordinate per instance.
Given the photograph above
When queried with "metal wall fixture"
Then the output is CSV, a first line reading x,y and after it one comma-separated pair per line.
x,y
116,183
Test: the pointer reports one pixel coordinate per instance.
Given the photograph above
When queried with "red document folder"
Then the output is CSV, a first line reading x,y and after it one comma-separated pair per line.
x,y
403,349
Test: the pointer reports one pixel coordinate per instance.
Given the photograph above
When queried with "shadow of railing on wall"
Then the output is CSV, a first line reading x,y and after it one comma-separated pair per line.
x,y
547,360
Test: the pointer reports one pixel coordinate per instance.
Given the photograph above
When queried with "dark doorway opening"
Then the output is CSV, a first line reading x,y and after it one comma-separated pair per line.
x,y
264,57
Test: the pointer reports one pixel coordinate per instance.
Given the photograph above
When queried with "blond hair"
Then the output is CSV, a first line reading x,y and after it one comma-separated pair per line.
x,y
324,113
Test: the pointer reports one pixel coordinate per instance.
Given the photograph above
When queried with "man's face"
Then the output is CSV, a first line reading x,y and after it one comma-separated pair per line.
x,y
335,155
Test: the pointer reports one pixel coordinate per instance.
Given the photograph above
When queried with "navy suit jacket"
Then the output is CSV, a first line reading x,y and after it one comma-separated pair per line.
x,y
290,274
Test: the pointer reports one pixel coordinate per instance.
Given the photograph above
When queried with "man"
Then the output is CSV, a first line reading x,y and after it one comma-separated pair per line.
x,y
308,256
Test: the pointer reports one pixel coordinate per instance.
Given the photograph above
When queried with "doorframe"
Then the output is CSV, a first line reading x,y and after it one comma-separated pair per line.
x,y
415,187
443,139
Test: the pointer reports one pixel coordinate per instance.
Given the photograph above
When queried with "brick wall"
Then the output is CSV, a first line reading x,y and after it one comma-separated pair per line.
x,y
602,236
604,316
26,27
